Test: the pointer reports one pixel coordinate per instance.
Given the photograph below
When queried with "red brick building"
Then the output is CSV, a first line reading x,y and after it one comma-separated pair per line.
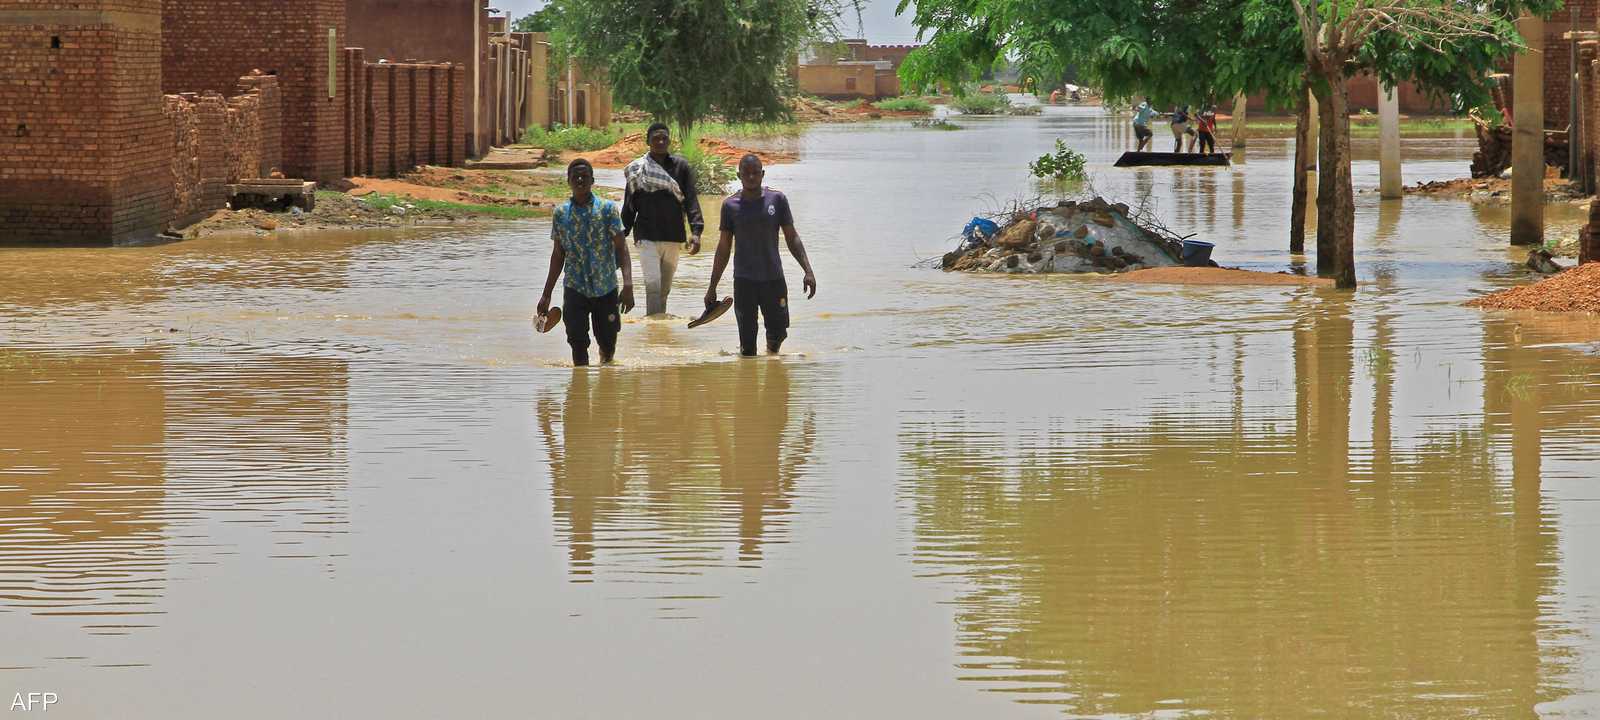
x,y
81,121
208,45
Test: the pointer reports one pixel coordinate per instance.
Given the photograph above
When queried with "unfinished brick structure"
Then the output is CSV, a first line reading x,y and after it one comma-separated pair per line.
x,y
218,140
207,45
81,155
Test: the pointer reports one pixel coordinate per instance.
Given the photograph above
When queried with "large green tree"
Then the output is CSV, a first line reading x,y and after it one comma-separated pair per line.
x,y
682,60
541,20
1217,48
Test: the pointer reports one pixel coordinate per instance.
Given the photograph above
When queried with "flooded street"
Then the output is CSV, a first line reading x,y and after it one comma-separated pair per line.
x,y
339,475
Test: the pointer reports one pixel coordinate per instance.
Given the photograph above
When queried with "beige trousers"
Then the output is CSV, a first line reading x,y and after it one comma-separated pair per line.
x,y
658,262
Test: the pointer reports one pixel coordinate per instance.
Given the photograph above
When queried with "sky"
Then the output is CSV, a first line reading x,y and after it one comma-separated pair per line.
x,y
878,19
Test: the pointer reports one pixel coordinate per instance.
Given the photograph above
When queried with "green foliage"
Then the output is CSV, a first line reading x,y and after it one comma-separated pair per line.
x,y
685,59
712,174
981,103
935,124
541,20
575,137
1063,164
1194,52
905,104
384,201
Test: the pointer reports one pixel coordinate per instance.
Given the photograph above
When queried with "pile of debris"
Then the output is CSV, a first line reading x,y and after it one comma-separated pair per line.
x,y
1069,237
1494,149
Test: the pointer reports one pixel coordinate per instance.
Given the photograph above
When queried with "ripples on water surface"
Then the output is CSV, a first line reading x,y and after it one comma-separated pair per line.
x,y
338,475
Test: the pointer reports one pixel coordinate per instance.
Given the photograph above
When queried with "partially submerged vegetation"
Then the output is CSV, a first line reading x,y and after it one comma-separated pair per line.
x,y
981,103
905,104
1063,164
1363,126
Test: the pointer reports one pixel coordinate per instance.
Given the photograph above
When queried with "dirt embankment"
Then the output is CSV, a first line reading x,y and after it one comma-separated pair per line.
x,y
1575,290
428,195
632,146
1494,190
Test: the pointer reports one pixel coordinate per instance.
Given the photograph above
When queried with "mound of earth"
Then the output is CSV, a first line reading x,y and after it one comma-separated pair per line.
x,y
1070,237
1575,290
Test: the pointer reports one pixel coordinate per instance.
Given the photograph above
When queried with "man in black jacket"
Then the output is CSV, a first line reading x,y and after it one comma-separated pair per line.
x,y
660,194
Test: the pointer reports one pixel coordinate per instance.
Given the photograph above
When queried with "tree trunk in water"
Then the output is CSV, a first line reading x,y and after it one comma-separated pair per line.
x,y
1336,206
1302,154
1326,202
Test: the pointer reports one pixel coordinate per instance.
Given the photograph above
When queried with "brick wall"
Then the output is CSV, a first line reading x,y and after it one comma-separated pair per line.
x,y
82,155
215,141
270,111
207,45
410,114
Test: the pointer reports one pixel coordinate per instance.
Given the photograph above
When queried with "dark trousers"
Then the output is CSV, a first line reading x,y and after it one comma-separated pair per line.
x,y
772,299
1208,143
579,311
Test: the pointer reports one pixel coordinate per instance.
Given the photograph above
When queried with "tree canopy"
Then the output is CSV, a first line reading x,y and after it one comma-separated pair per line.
x,y
541,20
1189,51
685,59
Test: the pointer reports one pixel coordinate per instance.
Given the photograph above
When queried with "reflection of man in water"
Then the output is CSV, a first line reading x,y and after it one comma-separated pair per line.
x,y
751,218
586,477
653,489
751,453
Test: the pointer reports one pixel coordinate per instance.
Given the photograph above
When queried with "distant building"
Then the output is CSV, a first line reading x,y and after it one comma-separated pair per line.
x,y
851,69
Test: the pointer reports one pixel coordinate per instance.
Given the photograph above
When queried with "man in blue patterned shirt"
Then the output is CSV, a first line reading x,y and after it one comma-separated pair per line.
x,y
588,247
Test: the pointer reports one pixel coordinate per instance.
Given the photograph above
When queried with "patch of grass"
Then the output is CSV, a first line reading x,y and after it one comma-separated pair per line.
x,y
502,211
904,104
935,124
1360,126
981,103
577,138
383,201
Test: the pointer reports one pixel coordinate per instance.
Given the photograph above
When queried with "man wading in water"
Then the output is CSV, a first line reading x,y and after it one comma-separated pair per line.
x,y
659,195
589,249
753,217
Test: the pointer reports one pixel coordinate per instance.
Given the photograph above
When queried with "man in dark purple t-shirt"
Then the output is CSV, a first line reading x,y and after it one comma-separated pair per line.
x,y
751,218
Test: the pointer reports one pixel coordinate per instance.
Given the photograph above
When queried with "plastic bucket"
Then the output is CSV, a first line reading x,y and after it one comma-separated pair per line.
x,y
1197,253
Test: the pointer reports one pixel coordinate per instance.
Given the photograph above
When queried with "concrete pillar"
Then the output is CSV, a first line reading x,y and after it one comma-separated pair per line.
x,y
1527,137
539,93
1239,132
1389,185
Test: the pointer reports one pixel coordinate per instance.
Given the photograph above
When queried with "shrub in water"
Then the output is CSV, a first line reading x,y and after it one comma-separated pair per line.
x,y
905,104
979,103
712,174
1063,164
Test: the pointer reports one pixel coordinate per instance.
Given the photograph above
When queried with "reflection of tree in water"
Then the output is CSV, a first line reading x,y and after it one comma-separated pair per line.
x,y
1175,562
1217,563
657,473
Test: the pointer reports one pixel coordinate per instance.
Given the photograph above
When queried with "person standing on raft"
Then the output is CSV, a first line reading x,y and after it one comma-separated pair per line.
x,y
751,219
1141,124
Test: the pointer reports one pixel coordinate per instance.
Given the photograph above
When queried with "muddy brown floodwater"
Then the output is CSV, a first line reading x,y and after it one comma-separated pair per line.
x,y
338,475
